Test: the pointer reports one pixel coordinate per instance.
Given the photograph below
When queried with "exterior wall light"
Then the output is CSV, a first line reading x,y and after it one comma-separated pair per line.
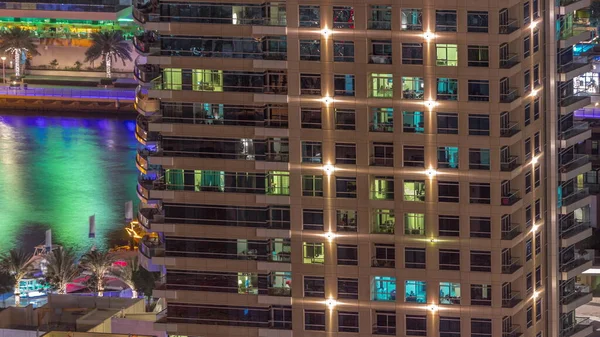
x,y
328,169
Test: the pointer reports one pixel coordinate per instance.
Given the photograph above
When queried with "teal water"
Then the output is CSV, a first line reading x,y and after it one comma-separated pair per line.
x,y
57,171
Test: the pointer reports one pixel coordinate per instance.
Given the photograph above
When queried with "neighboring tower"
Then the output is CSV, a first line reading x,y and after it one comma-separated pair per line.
x,y
382,168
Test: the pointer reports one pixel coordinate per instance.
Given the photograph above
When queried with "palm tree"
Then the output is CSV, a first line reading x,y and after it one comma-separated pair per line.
x,y
99,264
127,275
17,264
61,268
17,41
110,47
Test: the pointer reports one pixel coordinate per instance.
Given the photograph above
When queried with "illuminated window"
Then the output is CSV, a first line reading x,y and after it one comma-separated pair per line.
x,y
416,291
346,220
449,293
382,188
383,288
207,80
413,122
414,224
248,283
412,88
447,89
380,18
278,183
382,85
448,157
414,190
343,17
447,55
412,19
384,221
313,253
381,120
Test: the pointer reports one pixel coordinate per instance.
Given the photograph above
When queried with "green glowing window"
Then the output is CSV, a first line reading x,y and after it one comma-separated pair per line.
x,y
382,188
382,85
446,55
207,80
384,221
278,183
174,179
413,122
206,180
414,190
313,253
384,288
172,79
381,120
414,224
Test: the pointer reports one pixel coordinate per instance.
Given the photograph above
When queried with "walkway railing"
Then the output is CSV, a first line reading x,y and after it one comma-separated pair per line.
x,y
109,94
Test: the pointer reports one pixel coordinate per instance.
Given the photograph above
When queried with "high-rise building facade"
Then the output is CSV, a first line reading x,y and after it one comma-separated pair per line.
x,y
382,168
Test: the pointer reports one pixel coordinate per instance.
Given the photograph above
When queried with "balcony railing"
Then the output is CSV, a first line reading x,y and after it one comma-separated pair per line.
x,y
380,59
383,263
272,88
379,25
575,196
512,300
514,331
145,15
509,130
513,266
511,61
576,161
579,292
143,103
509,27
510,165
382,161
511,233
576,129
576,97
580,324
147,42
384,330
572,227
576,62
574,263
510,96
152,248
511,198
64,6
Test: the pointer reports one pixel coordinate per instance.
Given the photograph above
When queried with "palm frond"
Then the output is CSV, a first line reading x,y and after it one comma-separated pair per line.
x,y
17,39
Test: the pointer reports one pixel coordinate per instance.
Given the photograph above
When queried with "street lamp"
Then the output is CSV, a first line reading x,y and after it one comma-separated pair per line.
x,y
3,58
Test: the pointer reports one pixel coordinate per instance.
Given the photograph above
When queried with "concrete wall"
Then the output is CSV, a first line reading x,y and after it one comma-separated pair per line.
x,y
132,325
19,333
68,55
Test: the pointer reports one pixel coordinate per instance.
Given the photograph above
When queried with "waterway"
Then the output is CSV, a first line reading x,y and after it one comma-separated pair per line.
x,y
55,172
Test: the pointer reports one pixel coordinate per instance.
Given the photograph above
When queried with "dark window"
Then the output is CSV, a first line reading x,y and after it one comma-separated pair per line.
x,y
416,325
345,119
479,193
529,283
447,123
527,182
310,84
343,51
530,317
528,250
312,219
479,90
449,225
346,220
481,294
310,16
343,17
537,144
528,218
380,52
310,50
481,327
536,41
526,46
314,286
347,321
345,153
312,186
343,85
536,75
536,108
527,112
537,175
538,309
481,227
449,259
481,261
526,81
348,288
347,255
310,118
536,9
538,243
479,159
479,125
385,323
414,156
478,56
538,210
526,13
312,152
477,22
448,191
412,53
538,277
314,320
528,148
445,21
345,187
414,258
449,326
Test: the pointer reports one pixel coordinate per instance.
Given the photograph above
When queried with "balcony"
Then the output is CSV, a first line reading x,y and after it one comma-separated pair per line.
x,y
512,300
143,104
574,231
148,216
582,327
383,263
512,267
574,102
577,164
151,247
141,161
379,25
384,330
510,130
578,65
510,165
147,43
576,266
510,199
141,131
382,161
511,26
380,59
143,72
577,133
513,331
575,200
510,96
575,33
511,233
575,299
509,62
